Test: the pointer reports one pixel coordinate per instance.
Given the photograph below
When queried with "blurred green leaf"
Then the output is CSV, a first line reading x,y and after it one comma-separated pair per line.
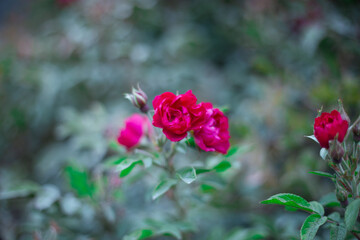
x,y
139,234
187,174
163,187
169,230
317,207
232,151
323,153
46,197
126,166
337,232
80,181
330,200
222,166
323,174
202,170
291,200
311,226
313,138
351,214
25,190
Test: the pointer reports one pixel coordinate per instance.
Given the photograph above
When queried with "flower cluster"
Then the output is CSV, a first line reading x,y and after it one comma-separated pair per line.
x,y
179,114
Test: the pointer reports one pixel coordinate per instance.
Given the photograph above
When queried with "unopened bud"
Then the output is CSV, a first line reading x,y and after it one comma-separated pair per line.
x,y
138,98
356,132
342,112
336,151
341,195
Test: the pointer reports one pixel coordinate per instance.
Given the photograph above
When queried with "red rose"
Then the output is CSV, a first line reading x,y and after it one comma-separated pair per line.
x,y
136,127
214,135
177,114
327,126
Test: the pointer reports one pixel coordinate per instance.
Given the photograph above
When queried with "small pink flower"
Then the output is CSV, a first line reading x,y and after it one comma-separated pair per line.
x,y
136,127
214,135
328,125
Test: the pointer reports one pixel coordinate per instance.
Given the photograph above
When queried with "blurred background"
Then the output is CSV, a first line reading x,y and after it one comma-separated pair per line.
x,y
66,64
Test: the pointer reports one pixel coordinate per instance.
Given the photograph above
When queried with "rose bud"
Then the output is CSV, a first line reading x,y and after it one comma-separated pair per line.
x,y
329,125
138,98
342,197
342,111
336,151
356,133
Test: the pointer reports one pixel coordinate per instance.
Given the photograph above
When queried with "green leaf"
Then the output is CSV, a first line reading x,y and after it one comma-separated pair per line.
x,y
323,153
202,170
232,151
169,230
313,138
311,226
147,162
351,214
205,188
46,197
163,187
188,174
139,234
115,146
80,181
337,232
291,200
238,150
126,166
329,200
26,189
113,161
317,207
222,166
323,174
334,216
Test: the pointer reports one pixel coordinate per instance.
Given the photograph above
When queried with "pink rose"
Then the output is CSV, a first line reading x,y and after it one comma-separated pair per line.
x,y
136,127
214,135
177,114
327,126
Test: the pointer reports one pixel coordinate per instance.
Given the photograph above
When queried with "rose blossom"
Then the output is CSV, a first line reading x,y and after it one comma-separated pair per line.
x,y
327,126
214,135
177,114
136,127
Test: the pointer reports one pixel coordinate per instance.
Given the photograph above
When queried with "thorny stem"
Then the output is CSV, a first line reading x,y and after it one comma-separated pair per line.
x,y
171,169
356,235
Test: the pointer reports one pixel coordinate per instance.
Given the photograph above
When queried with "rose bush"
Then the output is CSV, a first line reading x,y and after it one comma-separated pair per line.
x,y
136,127
327,126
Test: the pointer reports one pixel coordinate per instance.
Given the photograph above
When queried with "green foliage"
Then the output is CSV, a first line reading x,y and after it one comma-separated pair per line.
x,y
222,166
163,187
139,234
323,174
187,174
351,214
80,181
290,200
311,226
337,232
